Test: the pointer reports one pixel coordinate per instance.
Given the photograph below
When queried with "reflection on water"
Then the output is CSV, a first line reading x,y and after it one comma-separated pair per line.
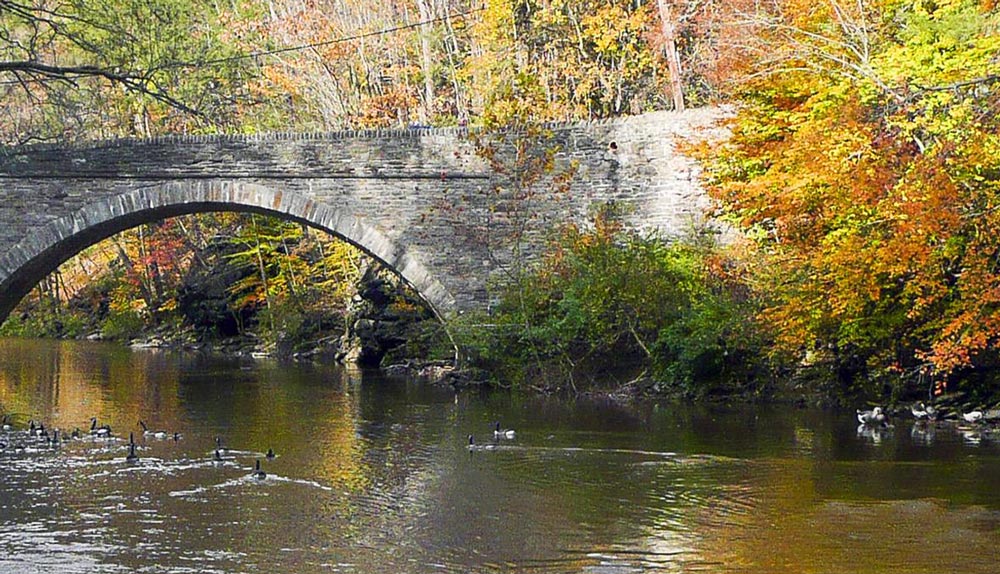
x,y
373,475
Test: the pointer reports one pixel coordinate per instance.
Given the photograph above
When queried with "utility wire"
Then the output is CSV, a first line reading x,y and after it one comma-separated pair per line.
x,y
341,40
252,55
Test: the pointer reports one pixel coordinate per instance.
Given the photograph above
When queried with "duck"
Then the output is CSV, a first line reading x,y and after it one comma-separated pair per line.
x,y
270,453
159,435
872,417
257,472
102,431
5,425
922,412
973,416
502,433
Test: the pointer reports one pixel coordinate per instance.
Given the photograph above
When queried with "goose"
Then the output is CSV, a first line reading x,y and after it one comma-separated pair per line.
x,y
931,412
219,447
922,412
217,456
270,453
54,440
502,433
177,436
131,458
102,431
38,430
973,417
75,433
159,435
6,423
476,447
258,473
872,417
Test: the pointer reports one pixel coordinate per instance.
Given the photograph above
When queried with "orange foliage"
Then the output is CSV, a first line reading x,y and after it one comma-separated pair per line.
x,y
873,210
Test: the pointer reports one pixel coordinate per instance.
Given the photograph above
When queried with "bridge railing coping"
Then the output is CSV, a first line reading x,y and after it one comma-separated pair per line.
x,y
380,133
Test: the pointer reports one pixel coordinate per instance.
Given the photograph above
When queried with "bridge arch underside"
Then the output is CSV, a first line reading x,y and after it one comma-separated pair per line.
x,y
50,245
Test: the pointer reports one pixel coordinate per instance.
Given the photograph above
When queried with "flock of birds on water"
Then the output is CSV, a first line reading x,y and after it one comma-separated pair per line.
x,y
499,434
970,424
38,436
925,413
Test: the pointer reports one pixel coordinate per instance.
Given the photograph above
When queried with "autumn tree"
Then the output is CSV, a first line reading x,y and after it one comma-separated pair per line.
x,y
864,166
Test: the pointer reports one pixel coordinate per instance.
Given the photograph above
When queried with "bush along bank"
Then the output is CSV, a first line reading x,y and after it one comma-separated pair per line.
x,y
608,303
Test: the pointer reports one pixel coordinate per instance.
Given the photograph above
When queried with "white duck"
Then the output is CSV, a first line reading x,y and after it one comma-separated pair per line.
x,y
973,417
923,413
503,433
872,418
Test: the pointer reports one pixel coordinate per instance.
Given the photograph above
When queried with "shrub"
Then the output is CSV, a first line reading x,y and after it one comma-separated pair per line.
x,y
610,296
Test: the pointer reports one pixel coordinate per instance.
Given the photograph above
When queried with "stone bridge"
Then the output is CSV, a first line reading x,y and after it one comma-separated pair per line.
x,y
424,202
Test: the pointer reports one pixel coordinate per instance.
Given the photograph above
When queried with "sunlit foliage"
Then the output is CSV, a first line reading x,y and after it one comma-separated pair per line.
x,y
865,167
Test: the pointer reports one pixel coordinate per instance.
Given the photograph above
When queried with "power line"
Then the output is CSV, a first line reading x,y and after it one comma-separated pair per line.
x,y
259,54
341,40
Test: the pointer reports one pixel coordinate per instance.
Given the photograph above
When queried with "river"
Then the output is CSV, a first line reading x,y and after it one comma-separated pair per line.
x,y
375,475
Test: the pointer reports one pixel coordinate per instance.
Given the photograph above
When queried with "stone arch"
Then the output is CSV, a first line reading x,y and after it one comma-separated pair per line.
x,y
44,249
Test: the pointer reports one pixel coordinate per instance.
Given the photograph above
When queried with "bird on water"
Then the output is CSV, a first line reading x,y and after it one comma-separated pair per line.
x,y
99,431
132,457
873,417
160,435
502,433
973,417
258,473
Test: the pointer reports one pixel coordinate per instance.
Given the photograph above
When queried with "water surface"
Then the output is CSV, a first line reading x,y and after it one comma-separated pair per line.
x,y
374,475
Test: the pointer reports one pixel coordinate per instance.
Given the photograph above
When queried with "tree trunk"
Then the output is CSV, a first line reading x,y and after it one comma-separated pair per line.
x,y
426,60
260,267
676,87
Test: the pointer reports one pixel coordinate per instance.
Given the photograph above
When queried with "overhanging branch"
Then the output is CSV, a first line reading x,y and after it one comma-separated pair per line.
x,y
134,82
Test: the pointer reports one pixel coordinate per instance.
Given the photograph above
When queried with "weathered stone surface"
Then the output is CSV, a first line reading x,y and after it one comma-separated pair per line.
x,y
418,200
